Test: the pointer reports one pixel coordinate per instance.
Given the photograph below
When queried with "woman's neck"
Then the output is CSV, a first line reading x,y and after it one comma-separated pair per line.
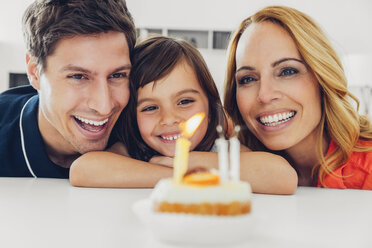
x,y
303,157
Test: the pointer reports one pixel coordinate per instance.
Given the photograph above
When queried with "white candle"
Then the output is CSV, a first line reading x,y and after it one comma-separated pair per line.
x,y
223,159
235,156
183,145
181,159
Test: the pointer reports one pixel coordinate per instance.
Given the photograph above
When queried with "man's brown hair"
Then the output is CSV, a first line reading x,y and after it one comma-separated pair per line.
x,y
45,22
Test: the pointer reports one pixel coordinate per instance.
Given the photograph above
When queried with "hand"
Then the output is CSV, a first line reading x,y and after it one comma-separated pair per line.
x,y
162,160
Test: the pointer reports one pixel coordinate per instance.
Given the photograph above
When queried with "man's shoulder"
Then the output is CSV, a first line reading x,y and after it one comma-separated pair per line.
x,y
12,100
17,92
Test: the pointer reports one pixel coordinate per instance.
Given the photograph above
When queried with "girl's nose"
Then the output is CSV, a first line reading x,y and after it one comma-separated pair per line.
x,y
170,117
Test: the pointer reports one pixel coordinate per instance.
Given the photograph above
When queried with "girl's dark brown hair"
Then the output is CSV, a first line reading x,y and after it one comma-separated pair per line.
x,y
154,59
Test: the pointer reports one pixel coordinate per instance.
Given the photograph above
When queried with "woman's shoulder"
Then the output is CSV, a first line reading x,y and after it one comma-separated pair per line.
x,y
356,173
362,159
364,143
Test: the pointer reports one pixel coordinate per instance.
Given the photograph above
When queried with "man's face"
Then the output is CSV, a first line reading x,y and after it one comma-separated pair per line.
x,y
83,89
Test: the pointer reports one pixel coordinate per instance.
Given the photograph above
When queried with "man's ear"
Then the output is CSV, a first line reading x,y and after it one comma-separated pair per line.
x,y
33,73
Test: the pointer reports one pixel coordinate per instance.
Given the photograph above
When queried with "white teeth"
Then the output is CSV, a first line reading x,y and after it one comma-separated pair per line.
x,y
91,122
170,138
273,120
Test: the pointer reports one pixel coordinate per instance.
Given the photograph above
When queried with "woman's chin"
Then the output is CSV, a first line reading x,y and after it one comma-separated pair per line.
x,y
276,146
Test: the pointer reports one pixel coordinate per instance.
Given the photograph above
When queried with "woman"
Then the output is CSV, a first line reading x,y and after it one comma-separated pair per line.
x,y
286,85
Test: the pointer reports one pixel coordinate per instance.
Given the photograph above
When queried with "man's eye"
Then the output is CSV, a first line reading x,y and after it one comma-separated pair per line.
x,y
246,80
149,108
288,72
185,101
119,75
77,76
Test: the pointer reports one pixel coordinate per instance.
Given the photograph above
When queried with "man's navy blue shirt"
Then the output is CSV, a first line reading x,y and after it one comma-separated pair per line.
x,y
12,156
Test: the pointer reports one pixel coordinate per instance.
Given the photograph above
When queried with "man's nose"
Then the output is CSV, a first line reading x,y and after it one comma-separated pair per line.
x,y
100,97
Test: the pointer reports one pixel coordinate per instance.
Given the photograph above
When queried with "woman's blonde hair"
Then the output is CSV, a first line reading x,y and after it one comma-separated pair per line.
x,y
340,121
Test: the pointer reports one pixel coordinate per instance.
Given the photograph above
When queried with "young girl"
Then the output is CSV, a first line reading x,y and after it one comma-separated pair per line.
x,y
170,82
286,85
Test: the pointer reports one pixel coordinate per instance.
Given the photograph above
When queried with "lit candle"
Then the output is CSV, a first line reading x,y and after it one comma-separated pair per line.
x,y
235,156
183,146
223,159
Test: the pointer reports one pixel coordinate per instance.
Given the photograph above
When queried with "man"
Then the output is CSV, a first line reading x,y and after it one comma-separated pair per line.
x,y
78,63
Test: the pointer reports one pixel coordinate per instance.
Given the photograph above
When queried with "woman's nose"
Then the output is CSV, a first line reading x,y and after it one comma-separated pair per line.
x,y
268,91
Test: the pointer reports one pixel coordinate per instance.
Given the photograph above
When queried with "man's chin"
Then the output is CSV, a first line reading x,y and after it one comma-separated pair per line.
x,y
92,147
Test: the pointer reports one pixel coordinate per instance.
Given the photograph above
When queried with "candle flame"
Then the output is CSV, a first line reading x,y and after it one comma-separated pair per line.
x,y
189,127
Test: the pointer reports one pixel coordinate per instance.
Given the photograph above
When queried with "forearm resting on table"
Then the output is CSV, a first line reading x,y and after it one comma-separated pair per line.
x,y
267,173
110,170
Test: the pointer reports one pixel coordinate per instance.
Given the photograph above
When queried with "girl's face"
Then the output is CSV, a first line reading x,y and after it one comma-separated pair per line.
x,y
164,105
277,94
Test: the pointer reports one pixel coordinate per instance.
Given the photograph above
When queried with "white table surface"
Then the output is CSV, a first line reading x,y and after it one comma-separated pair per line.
x,y
52,213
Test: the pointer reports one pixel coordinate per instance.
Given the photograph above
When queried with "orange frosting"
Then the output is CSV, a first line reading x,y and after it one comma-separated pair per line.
x,y
202,179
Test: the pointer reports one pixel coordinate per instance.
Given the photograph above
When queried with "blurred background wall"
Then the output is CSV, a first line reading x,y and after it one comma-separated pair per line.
x,y
207,23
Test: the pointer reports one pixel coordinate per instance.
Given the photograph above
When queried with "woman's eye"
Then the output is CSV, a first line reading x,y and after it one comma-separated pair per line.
x,y
246,80
288,72
149,108
77,76
185,101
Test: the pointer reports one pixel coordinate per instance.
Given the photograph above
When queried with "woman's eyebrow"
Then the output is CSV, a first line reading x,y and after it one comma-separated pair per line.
x,y
286,59
249,68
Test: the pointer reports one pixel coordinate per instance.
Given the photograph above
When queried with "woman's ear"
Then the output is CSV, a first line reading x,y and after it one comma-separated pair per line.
x,y
32,72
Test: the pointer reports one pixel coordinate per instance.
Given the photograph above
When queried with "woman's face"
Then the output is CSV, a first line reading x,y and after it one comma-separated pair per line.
x,y
164,105
277,94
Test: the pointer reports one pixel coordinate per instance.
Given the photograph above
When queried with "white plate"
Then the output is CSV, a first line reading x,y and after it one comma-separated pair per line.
x,y
196,229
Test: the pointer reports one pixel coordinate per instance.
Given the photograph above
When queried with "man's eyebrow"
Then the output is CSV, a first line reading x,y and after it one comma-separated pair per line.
x,y
75,68
286,59
81,69
124,67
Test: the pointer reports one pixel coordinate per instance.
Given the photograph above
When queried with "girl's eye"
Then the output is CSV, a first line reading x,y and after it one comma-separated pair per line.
x,y
246,80
185,101
77,76
149,108
119,75
288,72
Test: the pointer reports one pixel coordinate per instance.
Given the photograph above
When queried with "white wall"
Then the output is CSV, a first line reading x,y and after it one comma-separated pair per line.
x,y
12,49
347,22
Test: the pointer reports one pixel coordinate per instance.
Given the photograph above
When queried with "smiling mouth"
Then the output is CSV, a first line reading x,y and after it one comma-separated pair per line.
x,y
90,125
276,119
171,137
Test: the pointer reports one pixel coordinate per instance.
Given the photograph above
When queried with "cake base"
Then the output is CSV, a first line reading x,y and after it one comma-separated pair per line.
x,y
219,209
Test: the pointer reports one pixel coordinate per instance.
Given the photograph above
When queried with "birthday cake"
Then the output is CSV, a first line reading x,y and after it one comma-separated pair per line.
x,y
202,193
